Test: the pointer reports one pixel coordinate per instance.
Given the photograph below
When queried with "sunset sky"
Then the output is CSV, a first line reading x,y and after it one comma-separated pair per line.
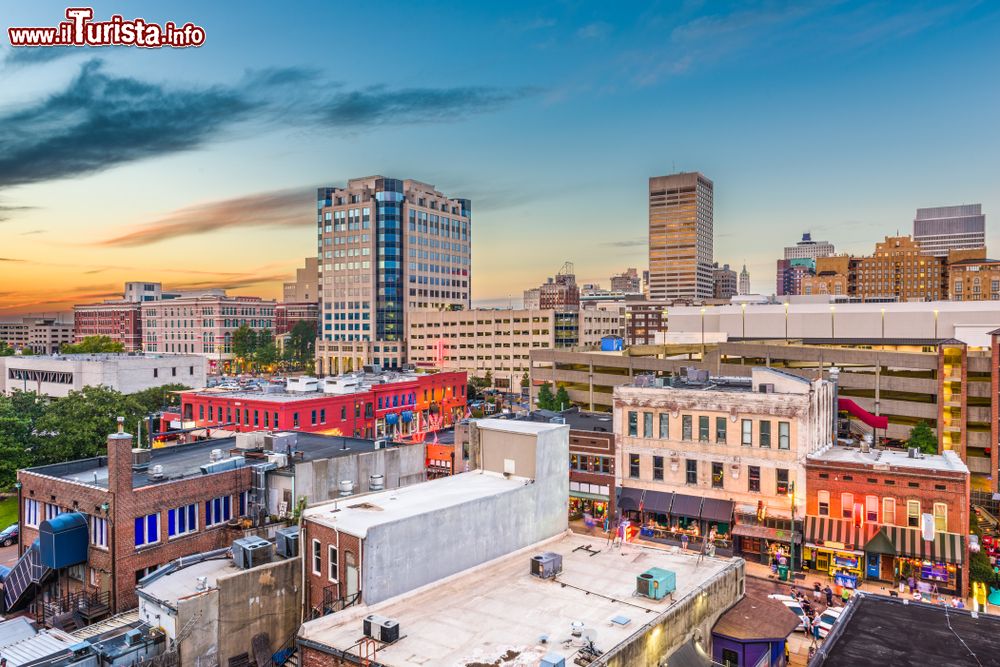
x,y
197,167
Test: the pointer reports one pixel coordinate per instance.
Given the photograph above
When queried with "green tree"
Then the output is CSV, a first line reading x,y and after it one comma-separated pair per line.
x,y
156,399
301,342
16,439
980,568
266,354
6,350
244,344
93,345
545,400
78,425
488,379
561,401
27,352
472,391
923,438
525,381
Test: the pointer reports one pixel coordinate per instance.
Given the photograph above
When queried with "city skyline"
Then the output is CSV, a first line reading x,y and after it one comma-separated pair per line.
x,y
209,179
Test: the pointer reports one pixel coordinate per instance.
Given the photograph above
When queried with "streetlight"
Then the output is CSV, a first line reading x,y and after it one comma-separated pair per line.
x,y
883,325
703,334
791,550
935,323
786,322
743,307
833,333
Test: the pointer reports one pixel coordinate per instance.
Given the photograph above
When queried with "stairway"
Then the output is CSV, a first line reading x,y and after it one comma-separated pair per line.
x,y
28,572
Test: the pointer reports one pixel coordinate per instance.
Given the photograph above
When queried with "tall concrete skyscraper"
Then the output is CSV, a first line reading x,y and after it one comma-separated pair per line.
x,y
680,236
945,228
744,287
386,246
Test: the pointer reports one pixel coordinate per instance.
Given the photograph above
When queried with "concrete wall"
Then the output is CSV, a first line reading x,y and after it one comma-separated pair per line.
x,y
692,617
318,480
400,556
127,374
265,599
198,617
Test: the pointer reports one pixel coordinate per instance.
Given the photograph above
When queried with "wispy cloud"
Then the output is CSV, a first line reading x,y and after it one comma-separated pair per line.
x,y
285,208
529,25
32,232
101,120
595,30
627,243
6,212
10,259
26,56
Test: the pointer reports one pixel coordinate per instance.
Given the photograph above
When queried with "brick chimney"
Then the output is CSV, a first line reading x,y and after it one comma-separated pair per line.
x,y
120,460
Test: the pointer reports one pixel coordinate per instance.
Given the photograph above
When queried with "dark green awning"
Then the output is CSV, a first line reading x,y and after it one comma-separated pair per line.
x,y
880,544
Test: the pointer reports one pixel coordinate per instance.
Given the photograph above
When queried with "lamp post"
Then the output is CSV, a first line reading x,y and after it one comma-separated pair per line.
x,y
935,323
703,334
833,332
883,325
743,308
791,549
786,322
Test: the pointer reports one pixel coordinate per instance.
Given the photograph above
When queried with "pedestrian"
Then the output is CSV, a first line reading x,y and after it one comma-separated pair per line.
x,y
817,593
807,627
912,583
684,541
816,636
829,595
846,595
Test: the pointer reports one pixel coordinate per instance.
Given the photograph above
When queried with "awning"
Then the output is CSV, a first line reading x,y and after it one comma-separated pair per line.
x,y
688,506
764,532
629,500
880,544
657,502
713,509
909,542
822,529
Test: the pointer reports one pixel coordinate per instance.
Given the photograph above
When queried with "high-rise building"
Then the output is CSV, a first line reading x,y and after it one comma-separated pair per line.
x,y
627,282
744,287
304,289
680,237
388,246
790,274
945,228
557,293
809,249
724,278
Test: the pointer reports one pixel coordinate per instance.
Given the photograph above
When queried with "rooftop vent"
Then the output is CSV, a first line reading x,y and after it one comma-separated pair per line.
x,y
133,637
201,583
156,473
346,487
215,455
376,482
232,463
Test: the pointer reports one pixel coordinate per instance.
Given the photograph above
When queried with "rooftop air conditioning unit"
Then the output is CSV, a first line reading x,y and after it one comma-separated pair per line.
x,y
141,458
280,442
381,444
552,659
133,637
156,473
286,541
251,551
252,440
656,583
215,455
546,565
381,628
279,460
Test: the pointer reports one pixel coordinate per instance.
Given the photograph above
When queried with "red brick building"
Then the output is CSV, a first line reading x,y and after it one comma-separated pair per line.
x,y
371,405
144,508
121,321
867,514
287,315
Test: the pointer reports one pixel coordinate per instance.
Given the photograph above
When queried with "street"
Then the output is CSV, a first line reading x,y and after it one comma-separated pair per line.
x,y
8,555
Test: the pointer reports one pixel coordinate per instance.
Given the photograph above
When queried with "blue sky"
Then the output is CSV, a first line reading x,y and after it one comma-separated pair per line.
x,y
838,118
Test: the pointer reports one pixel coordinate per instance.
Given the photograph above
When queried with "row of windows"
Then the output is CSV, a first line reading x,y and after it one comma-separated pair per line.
x,y
583,463
870,509
718,477
763,430
36,511
184,520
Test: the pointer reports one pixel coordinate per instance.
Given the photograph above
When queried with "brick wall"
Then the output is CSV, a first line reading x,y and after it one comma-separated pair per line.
x,y
316,583
591,443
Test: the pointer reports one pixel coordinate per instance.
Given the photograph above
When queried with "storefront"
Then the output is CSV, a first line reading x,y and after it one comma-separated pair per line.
x,y
763,544
831,549
937,562
589,499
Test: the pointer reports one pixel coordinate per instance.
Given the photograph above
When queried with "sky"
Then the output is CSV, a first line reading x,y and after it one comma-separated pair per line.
x,y
197,167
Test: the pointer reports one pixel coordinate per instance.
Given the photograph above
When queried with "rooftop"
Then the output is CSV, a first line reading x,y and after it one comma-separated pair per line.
x,y
948,461
183,582
104,356
355,515
757,617
877,631
184,461
499,609
577,419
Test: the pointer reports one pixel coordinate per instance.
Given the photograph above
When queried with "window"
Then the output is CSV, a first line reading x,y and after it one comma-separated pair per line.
x,y
730,658
871,509
147,529
720,430
889,511
940,517
747,425
691,471
703,429
633,423
686,427
847,505
332,563
753,479
244,499
913,513
218,510
658,467
295,420
52,511
781,487
664,425
647,424
783,435
718,475
313,417
823,503
99,531
765,433
317,558
182,520
633,466
31,512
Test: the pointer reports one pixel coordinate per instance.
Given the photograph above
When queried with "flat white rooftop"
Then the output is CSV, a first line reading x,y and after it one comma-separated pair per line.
x,y
948,461
356,514
183,583
514,426
499,609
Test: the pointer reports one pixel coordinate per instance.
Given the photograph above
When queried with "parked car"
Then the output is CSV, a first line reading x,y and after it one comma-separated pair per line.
x,y
9,535
794,606
828,619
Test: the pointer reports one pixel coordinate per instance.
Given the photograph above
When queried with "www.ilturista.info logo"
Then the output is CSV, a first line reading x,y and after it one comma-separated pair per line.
x,y
81,30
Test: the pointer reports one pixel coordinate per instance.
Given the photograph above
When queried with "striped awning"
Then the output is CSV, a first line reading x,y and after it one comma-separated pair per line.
x,y
944,548
823,529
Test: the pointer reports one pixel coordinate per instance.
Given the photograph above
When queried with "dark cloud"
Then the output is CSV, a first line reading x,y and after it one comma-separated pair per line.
x,y
379,105
10,259
283,208
101,120
34,55
627,243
